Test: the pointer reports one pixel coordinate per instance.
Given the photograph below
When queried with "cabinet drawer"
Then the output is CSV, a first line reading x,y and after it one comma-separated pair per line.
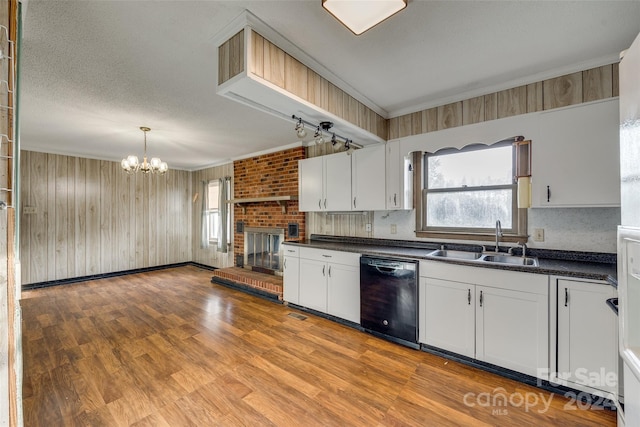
x,y
290,250
339,257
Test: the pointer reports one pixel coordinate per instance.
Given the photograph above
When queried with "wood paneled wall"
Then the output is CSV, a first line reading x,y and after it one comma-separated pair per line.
x,y
10,322
209,255
583,86
231,58
348,224
92,218
273,64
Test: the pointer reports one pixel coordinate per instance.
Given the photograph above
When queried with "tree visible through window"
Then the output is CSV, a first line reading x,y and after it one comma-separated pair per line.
x,y
470,189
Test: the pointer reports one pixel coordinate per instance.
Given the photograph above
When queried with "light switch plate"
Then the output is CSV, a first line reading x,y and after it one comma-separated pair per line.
x,y
538,235
367,227
394,228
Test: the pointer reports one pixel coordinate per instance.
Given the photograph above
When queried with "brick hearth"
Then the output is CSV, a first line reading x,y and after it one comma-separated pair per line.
x,y
259,281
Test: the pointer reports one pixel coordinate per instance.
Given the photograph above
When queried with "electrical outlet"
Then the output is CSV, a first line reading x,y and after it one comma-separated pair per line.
x,y
367,227
538,235
394,228
27,210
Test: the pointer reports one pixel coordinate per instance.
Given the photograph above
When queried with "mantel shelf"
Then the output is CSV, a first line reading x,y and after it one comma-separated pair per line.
x,y
281,200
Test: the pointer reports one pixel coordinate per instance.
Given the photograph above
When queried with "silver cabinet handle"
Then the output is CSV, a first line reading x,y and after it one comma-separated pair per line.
x,y
395,202
354,202
468,296
319,203
329,271
323,268
481,298
285,263
548,193
325,203
566,297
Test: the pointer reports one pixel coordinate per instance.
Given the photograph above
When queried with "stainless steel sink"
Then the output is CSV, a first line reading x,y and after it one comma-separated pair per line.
x,y
455,254
510,259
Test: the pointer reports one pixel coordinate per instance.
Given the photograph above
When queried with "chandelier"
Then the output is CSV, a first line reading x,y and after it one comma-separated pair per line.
x,y
131,165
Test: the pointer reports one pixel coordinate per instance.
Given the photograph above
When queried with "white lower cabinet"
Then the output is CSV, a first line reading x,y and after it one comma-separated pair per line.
x,y
447,319
511,329
343,291
587,337
495,316
313,284
291,274
330,282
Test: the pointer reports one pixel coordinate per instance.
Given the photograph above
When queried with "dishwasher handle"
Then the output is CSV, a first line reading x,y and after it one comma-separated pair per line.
x,y
385,266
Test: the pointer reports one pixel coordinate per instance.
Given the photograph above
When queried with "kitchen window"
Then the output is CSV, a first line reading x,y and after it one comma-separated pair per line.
x,y
466,191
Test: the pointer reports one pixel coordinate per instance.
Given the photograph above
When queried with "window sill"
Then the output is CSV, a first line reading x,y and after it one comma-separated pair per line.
x,y
483,237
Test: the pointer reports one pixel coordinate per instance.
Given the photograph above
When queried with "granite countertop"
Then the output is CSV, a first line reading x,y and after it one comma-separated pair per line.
x,y
581,265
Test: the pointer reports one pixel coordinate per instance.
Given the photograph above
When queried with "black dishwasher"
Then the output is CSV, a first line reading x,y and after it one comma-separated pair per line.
x,y
389,297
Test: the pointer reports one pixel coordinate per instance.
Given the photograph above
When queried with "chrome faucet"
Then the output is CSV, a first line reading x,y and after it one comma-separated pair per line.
x,y
498,235
524,248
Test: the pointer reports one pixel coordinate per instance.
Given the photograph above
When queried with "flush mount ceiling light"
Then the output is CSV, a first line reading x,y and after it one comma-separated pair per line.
x,y
131,165
360,15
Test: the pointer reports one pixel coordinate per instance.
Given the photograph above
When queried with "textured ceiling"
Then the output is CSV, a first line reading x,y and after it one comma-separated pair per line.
x,y
92,72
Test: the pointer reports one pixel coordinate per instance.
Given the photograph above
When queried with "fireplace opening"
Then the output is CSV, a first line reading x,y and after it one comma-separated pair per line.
x,y
262,249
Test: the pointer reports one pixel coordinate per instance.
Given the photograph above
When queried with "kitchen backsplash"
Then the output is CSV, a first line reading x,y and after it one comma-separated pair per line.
x,y
572,229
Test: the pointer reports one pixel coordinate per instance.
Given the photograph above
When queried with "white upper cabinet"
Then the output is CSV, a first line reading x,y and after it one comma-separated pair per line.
x,y
310,184
393,171
337,182
399,178
325,183
575,159
368,181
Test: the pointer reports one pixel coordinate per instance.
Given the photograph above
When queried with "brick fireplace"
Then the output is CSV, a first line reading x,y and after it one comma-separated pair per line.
x,y
269,175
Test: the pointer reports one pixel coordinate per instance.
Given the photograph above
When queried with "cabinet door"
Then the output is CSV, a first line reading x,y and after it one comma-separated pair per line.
x,y
343,291
310,184
291,279
587,335
393,172
573,143
337,182
512,329
368,178
447,315
313,284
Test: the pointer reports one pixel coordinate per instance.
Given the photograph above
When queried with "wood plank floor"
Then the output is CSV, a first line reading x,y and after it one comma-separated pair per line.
x,y
168,348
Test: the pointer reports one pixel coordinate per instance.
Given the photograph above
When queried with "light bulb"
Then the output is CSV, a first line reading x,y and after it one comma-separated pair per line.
x,y
133,161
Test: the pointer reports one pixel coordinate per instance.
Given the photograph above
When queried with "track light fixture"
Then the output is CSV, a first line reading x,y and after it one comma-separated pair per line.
x,y
318,135
300,129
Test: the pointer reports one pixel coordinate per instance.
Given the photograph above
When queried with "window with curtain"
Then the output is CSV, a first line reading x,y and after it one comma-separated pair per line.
x,y
213,211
